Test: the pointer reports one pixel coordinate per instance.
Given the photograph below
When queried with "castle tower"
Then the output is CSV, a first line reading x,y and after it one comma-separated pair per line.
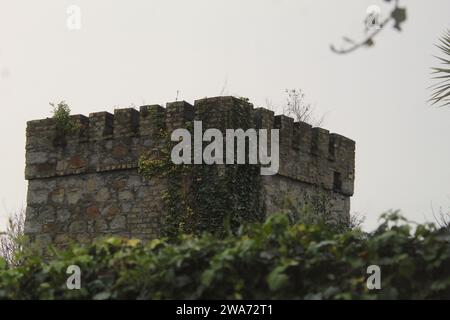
x,y
87,184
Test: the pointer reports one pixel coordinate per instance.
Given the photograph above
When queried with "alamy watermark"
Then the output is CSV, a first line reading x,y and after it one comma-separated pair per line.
x,y
235,147
73,21
74,280
373,14
374,280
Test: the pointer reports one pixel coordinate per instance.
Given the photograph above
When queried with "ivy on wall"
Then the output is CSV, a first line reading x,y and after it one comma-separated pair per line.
x,y
207,198
157,164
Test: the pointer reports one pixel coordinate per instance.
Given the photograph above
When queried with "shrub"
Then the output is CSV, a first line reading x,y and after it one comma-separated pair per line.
x,y
61,114
270,260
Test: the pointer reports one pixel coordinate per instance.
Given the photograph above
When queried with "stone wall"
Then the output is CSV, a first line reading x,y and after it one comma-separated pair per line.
x,y
87,184
81,208
293,196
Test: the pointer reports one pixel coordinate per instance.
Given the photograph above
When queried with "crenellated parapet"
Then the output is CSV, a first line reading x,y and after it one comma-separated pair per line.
x,y
108,142
315,156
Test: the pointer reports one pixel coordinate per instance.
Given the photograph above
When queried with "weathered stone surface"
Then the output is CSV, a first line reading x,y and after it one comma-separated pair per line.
x,y
78,226
98,225
47,213
120,184
49,228
62,165
74,196
112,210
102,195
118,223
32,226
91,185
43,238
63,215
62,239
57,195
77,162
92,212
120,151
126,195
36,157
37,197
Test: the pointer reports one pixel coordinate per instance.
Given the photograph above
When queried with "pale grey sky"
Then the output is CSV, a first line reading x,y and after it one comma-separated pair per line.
x,y
136,52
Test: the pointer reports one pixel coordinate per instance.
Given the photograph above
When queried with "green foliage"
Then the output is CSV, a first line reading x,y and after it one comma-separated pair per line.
x,y
270,260
61,114
157,164
226,196
205,198
441,89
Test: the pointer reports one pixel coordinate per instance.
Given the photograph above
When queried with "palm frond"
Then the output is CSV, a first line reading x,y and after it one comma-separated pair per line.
x,y
441,89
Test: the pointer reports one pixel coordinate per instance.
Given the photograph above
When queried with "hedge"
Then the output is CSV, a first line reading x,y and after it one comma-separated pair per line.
x,y
271,260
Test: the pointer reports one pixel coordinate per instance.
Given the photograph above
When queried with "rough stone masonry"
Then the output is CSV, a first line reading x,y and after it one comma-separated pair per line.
x,y
89,185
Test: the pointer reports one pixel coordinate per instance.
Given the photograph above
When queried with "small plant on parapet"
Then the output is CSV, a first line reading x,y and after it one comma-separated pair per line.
x,y
61,114
245,99
64,123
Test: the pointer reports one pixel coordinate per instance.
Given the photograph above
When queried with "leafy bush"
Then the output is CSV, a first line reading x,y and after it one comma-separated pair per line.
x,y
61,114
269,260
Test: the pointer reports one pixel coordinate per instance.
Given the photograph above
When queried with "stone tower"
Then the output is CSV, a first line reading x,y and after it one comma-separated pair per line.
x,y
88,185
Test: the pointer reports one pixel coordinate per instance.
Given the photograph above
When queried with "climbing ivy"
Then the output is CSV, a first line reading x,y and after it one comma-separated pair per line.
x,y
206,198
228,195
157,164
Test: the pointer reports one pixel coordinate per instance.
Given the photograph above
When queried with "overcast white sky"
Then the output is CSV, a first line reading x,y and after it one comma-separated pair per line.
x,y
136,52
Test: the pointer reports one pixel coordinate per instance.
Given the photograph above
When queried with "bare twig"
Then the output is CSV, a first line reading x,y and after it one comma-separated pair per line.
x,y
397,15
10,241
442,218
297,107
224,87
